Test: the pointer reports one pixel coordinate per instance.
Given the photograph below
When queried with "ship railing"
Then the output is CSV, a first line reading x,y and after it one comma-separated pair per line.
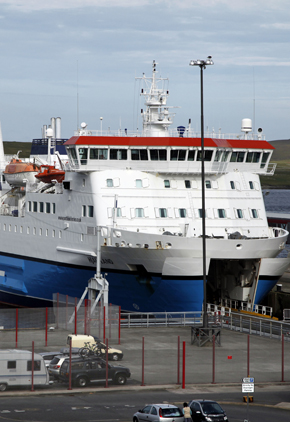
x,y
263,326
241,305
188,133
270,169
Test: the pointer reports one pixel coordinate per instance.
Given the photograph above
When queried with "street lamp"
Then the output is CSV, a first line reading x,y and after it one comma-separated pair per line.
x,y
202,65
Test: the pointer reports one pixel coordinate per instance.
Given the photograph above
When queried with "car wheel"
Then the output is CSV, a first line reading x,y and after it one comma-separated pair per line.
x,y
135,419
115,357
3,387
82,382
121,379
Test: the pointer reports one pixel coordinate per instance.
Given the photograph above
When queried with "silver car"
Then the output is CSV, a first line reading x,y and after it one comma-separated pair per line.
x,y
158,413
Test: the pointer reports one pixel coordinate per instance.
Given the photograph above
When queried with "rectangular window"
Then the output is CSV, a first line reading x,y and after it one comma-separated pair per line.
x,y
177,154
47,207
29,206
251,184
237,157
207,155
139,154
158,154
254,213
240,213
40,232
11,364
34,231
109,183
232,185
162,212
41,207
191,155
84,211
187,184
139,212
98,154
90,211
53,208
182,212
139,183
118,154
34,206
167,183
83,154
200,213
265,157
37,365
53,233
208,184
60,234
221,213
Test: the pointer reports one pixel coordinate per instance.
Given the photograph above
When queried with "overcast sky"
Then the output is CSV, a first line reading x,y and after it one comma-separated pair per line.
x,y
55,51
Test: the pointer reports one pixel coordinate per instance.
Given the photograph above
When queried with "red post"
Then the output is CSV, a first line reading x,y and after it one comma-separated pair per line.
x,y
142,362
69,373
76,316
248,355
46,324
178,360
16,329
32,367
107,363
213,359
183,365
282,358
104,325
119,334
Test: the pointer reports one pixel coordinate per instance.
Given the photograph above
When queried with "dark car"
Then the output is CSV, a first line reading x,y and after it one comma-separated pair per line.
x,y
207,410
87,370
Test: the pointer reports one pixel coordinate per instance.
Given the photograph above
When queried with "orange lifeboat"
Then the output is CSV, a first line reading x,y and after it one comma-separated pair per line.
x,y
17,172
49,173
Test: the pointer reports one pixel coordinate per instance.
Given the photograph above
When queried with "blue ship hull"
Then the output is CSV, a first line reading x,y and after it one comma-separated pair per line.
x,y
33,283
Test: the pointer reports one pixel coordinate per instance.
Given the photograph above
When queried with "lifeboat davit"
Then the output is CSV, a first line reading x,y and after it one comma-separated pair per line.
x,y
49,173
17,172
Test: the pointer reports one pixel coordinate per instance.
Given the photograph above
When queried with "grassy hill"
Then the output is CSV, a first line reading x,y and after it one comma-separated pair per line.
x,y
281,156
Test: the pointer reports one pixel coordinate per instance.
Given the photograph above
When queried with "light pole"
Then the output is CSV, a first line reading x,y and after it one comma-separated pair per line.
x,y
202,65
101,119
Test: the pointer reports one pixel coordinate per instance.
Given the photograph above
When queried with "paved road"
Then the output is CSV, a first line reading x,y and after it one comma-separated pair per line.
x,y
119,406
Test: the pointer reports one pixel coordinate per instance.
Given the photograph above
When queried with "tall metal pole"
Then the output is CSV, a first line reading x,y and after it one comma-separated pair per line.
x,y
202,65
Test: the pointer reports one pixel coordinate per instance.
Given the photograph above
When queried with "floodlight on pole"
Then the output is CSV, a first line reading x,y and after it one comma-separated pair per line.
x,y
202,65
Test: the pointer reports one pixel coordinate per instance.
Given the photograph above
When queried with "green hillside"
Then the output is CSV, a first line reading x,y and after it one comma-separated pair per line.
x,y
11,148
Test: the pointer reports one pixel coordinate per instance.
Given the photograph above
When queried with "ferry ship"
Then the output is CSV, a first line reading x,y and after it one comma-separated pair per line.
x,y
142,193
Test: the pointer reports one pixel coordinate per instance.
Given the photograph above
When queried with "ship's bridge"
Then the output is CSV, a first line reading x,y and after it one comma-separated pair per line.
x,y
169,154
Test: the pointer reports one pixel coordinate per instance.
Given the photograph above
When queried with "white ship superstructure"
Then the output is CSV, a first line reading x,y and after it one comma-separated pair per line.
x,y
144,192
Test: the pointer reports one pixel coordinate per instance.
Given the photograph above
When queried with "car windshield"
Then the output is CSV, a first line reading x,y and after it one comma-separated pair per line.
x,y
211,408
169,412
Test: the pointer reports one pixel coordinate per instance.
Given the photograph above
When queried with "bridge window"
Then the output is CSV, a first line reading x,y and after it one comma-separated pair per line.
x,y
208,184
139,183
83,154
109,183
118,154
265,157
139,154
187,184
218,155
191,155
158,154
98,154
232,184
177,154
207,155
167,183
253,157
237,157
